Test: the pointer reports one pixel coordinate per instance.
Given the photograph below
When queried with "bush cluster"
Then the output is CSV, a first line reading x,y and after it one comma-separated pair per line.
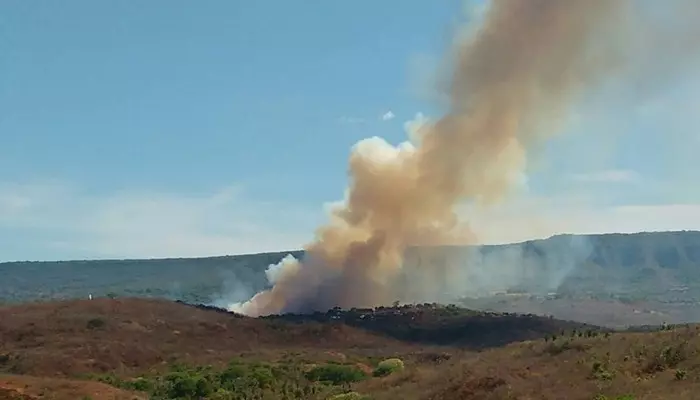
x,y
246,381
388,367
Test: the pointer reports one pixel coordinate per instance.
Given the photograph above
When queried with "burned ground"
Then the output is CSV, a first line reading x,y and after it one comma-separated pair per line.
x,y
434,324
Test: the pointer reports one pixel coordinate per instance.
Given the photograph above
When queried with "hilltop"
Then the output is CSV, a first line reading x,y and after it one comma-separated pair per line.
x,y
78,336
611,279
128,348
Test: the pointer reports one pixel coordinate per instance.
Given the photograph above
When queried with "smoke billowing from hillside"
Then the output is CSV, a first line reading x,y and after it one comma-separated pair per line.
x,y
513,82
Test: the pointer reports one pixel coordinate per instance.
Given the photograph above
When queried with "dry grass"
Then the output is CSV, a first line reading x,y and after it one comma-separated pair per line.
x,y
655,365
28,388
128,337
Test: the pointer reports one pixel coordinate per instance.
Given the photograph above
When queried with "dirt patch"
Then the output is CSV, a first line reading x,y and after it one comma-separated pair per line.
x,y
30,388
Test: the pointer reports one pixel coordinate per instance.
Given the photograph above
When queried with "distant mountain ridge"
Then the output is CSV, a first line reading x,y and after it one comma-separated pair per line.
x,y
690,239
620,263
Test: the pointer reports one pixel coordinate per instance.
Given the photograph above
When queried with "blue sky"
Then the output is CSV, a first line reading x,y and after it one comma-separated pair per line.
x,y
165,128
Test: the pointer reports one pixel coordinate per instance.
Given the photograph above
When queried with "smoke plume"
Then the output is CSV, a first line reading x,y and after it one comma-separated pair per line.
x,y
513,82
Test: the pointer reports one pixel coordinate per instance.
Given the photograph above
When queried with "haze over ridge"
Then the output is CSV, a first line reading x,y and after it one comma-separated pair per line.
x,y
512,85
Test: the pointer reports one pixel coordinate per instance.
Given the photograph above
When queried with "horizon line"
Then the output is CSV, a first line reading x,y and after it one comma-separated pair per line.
x,y
204,257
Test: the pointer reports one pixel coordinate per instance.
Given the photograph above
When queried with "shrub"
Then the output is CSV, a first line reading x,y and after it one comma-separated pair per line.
x,y
681,374
336,374
222,394
388,367
187,385
232,372
669,357
139,384
263,376
349,396
600,372
239,381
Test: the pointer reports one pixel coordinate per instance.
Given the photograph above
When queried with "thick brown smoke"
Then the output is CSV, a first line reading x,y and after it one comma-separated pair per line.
x,y
513,82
